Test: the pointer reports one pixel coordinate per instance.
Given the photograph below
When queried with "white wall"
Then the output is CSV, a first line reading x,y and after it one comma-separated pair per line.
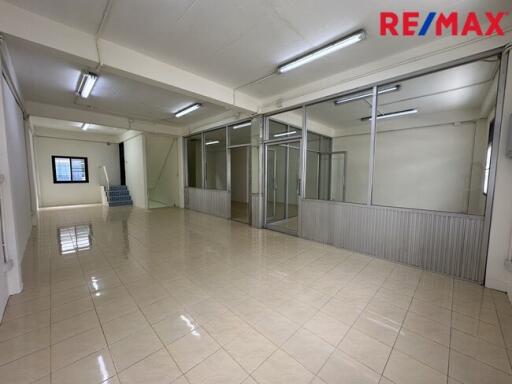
x,y
135,168
497,276
162,169
97,153
14,191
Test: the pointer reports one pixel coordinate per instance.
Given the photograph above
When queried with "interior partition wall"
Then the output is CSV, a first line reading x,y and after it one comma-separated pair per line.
x,y
218,163
403,170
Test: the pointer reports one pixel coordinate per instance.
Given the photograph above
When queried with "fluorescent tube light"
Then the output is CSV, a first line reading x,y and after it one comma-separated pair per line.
x,y
381,91
85,126
187,110
285,133
392,114
212,142
241,125
323,51
86,84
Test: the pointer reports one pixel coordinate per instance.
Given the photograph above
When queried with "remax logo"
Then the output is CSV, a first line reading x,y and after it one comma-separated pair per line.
x,y
454,24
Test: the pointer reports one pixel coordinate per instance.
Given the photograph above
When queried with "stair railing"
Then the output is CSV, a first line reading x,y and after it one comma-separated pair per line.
x,y
104,169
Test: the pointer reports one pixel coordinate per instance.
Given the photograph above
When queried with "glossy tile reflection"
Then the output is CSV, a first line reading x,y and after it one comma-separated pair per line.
x,y
174,296
75,238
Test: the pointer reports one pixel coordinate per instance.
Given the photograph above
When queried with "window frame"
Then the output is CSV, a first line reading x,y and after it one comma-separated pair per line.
x,y
70,158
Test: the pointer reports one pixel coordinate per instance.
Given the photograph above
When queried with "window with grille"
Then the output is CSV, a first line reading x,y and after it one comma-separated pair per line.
x,y
68,169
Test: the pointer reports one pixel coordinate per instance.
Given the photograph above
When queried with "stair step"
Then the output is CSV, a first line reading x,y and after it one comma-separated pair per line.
x,y
118,188
120,203
118,195
119,198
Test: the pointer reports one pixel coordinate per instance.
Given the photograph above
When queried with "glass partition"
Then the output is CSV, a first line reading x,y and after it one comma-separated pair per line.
x,y
194,161
285,125
240,133
338,149
240,169
319,166
215,152
433,138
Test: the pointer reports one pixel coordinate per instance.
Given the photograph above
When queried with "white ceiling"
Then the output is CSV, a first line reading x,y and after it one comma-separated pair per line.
x,y
75,126
50,77
235,42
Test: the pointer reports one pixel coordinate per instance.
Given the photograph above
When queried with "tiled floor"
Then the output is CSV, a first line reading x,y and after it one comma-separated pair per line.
x,y
173,296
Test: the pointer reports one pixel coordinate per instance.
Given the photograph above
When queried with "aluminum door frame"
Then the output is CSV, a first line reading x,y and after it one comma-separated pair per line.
x,y
300,170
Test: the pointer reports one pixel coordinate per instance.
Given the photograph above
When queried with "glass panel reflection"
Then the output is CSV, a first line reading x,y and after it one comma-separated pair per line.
x,y
74,238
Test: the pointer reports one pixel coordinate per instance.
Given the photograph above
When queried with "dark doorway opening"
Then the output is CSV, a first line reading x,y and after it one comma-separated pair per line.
x,y
121,164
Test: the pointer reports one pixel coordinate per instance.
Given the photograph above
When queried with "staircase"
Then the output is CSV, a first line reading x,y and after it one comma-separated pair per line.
x,y
118,195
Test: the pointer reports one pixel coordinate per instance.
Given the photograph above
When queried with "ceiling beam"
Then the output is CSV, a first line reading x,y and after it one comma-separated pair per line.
x,y
80,115
26,25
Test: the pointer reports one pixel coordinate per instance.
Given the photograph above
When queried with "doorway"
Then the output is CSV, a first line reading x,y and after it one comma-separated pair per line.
x,y
283,186
122,171
240,187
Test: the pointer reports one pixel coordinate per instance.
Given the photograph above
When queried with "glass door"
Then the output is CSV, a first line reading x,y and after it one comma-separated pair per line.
x,y
283,186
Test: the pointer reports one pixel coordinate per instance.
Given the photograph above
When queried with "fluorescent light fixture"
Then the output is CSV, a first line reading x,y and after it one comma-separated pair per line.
x,y
323,51
187,110
392,114
285,133
343,100
85,126
212,142
86,84
241,125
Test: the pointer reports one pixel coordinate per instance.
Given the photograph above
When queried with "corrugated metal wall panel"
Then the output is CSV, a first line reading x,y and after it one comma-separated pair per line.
x,y
213,202
437,241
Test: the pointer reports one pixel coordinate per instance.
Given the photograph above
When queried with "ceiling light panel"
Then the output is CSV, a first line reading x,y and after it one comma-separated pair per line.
x,y
187,110
323,51
86,83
